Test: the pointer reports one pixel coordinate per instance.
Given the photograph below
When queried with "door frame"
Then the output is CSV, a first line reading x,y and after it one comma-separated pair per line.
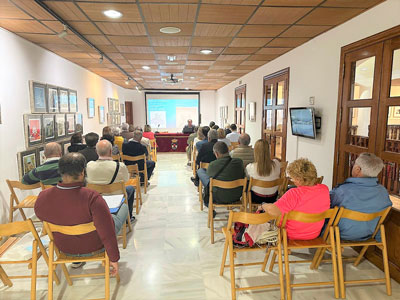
x,y
239,88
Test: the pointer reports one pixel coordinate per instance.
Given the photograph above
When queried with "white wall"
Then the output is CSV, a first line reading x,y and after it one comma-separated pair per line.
x,y
314,71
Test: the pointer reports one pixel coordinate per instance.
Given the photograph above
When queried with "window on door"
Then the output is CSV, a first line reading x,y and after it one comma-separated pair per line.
x,y
240,108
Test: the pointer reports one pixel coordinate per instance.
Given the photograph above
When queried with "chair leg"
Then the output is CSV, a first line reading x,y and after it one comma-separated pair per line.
x,y
334,263
287,270
280,264
212,229
385,262
51,271
320,258
232,269
221,271
11,213
360,256
273,260
340,263
64,268
201,195
4,277
264,265
124,236
107,277
34,270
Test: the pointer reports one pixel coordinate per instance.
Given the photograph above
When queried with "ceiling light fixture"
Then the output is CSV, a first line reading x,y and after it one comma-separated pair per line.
x,y
101,59
113,14
206,51
171,62
171,57
63,33
186,88
170,30
146,67
127,81
192,77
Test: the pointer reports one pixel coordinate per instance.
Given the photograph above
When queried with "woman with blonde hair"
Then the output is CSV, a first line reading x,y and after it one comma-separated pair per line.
x,y
147,132
307,197
222,137
266,169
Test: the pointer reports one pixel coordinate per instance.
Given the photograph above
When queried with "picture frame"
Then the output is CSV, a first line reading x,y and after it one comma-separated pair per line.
x,y
70,124
52,99
26,161
40,157
48,127
38,97
73,101
33,129
102,115
122,109
252,111
110,104
64,100
78,123
396,112
116,105
91,107
60,126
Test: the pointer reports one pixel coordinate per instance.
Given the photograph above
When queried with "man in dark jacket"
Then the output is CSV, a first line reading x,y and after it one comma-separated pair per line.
x,y
90,151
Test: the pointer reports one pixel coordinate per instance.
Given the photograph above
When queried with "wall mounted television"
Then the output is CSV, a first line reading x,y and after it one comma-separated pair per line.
x,y
303,122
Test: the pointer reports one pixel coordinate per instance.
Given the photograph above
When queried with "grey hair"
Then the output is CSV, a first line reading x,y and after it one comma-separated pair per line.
x,y
212,135
125,126
244,139
137,135
117,131
370,164
221,148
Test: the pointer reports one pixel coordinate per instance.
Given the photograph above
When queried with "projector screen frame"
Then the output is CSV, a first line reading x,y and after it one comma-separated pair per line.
x,y
172,93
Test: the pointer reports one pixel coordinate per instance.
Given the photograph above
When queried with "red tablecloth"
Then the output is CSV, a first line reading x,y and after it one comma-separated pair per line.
x,y
171,142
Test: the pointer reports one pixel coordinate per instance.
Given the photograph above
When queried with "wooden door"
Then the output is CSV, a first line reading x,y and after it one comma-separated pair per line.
x,y
240,108
129,112
275,111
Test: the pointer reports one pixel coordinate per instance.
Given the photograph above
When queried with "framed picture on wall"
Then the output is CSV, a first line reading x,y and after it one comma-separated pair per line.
x,y
110,104
91,107
33,129
78,123
122,106
70,123
73,101
52,98
41,158
60,125
64,102
48,129
37,97
26,161
116,105
101,115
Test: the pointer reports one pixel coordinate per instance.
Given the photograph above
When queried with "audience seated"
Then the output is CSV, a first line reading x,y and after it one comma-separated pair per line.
x,y
222,137
118,140
135,148
216,127
266,169
111,139
107,130
147,132
244,151
190,140
144,141
200,136
361,193
125,132
89,152
206,153
199,144
234,135
48,172
211,125
228,129
307,197
76,143
70,203
189,128
106,171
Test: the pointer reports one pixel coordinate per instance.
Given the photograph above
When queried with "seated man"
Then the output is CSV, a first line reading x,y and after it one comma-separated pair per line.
x,y
362,193
48,172
89,152
70,203
244,151
223,168
191,138
204,131
234,135
76,143
206,153
135,148
189,128
144,141
106,171
125,133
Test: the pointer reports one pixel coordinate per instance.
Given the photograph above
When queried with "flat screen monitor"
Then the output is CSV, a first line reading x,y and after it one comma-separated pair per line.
x,y
303,122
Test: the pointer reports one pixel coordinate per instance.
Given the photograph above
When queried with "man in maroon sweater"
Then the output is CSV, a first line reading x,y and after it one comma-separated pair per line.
x,y
70,203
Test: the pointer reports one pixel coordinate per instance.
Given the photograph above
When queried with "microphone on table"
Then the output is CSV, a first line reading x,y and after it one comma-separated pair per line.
x,y
157,128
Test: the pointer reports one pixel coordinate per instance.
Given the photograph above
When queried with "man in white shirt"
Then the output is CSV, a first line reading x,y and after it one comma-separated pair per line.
x,y
234,135
106,171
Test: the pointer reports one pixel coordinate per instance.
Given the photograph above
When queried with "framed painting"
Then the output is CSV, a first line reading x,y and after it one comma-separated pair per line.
x,y
37,97
110,104
33,130
70,123
122,110
52,98
26,162
73,101
63,98
102,115
116,105
60,125
91,107
78,123
48,129
396,112
41,158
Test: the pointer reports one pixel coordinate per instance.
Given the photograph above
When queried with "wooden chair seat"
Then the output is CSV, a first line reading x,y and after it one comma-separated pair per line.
x,y
15,203
28,202
302,244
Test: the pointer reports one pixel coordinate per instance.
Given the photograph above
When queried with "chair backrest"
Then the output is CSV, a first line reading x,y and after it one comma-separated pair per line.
x,y
283,168
19,227
134,158
153,143
133,170
204,165
68,230
12,184
116,157
249,218
45,186
104,189
265,184
228,184
234,144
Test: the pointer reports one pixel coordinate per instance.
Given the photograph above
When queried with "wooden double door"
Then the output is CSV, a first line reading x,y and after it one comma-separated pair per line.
x,y
240,108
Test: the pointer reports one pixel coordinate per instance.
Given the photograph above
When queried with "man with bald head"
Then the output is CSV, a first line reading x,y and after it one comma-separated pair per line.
x,y
244,151
48,172
106,171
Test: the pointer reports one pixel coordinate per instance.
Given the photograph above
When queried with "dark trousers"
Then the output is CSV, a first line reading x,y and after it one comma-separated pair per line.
x,y
258,199
150,165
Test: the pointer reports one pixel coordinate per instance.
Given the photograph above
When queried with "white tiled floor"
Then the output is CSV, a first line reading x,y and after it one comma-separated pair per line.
x,y
169,256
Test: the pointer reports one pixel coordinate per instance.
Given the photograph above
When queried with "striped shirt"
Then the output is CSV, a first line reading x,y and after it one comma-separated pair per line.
x,y
46,173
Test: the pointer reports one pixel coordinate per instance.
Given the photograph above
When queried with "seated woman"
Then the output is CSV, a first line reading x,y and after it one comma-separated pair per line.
x,y
76,143
266,169
222,137
307,197
118,139
147,132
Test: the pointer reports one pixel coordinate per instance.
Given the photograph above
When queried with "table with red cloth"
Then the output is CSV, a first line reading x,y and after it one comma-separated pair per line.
x,y
171,142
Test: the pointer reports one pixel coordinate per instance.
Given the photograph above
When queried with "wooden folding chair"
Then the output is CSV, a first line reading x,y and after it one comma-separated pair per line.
x,y
135,181
153,152
262,184
234,145
116,157
194,156
136,159
327,241
15,203
110,189
203,165
248,218
62,258
17,228
225,185
362,217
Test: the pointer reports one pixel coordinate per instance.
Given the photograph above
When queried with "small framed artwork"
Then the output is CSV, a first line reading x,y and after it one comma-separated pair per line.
x,y
33,129
65,146
252,111
64,102
60,125
26,161
116,105
110,104
48,129
101,115
52,98
73,101
122,111
38,97
78,123
70,123
91,107
41,158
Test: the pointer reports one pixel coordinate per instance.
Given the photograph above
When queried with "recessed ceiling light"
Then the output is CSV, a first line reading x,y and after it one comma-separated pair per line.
x,y
186,88
206,51
146,67
170,30
171,57
171,62
192,77
113,14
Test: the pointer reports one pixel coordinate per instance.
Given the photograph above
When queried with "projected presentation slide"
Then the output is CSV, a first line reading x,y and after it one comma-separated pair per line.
x,y
171,113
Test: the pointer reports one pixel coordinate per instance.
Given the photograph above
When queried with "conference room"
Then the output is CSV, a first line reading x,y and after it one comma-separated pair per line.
x,y
199,149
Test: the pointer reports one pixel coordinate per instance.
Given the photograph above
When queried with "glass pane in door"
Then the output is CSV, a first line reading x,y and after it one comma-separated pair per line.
x,y
269,94
279,120
238,101
243,101
395,83
392,141
243,117
278,147
268,119
362,78
358,131
281,88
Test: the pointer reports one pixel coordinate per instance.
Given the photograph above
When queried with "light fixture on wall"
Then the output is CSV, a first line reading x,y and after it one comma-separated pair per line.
x,y
138,89
63,33
113,14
